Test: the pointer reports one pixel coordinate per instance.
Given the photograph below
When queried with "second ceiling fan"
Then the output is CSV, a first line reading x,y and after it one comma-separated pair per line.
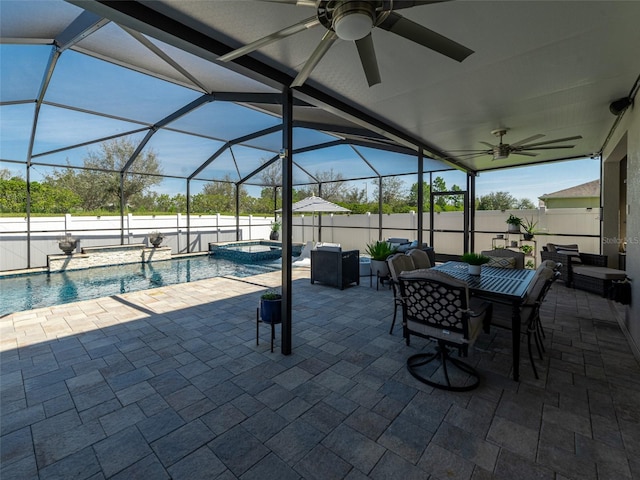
x,y
522,147
353,21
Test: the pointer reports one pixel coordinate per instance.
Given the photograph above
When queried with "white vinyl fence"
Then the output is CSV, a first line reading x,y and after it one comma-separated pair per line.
x,y
564,226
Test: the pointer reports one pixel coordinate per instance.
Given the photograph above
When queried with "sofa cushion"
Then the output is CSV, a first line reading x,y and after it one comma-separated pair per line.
x,y
554,247
501,262
602,273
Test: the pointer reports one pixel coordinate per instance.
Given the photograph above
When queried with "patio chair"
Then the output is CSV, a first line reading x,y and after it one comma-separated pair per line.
x,y
398,263
530,312
305,254
585,271
436,306
420,258
500,258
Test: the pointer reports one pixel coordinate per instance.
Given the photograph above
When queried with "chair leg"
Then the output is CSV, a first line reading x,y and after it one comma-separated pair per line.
x,y
273,335
539,344
395,311
442,353
533,364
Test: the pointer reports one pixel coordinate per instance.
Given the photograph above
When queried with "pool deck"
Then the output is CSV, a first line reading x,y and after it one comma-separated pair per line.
x,y
169,383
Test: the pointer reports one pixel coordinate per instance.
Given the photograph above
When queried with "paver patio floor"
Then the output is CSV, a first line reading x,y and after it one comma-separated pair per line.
x,y
169,383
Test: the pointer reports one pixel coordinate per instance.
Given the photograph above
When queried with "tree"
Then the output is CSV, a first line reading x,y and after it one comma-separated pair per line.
x,y
271,178
496,201
44,197
98,185
525,204
334,187
393,192
218,197
412,198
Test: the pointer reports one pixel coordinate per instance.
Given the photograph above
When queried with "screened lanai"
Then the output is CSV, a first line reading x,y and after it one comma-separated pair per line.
x,y
71,86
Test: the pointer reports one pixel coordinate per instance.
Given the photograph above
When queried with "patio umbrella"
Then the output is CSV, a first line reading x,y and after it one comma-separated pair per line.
x,y
315,204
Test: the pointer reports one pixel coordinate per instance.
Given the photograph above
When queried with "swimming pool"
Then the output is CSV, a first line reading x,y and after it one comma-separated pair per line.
x,y
24,292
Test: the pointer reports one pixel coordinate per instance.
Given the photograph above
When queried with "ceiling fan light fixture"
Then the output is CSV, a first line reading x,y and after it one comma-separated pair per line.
x,y
353,20
500,152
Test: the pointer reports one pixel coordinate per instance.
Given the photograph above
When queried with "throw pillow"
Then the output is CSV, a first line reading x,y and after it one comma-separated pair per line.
x,y
501,262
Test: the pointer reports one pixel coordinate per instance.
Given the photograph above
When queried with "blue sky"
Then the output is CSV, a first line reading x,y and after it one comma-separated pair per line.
x,y
112,90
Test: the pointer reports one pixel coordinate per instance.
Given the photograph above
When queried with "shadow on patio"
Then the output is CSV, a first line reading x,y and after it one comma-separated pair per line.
x,y
169,383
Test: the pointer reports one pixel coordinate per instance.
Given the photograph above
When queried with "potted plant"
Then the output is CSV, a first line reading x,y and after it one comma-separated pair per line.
x,y
155,238
529,228
526,249
475,261
379,251
67,244
271,307
513,223
275,230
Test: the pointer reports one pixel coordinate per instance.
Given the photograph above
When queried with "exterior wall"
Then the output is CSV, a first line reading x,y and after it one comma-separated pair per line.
x,y
626,141
585,202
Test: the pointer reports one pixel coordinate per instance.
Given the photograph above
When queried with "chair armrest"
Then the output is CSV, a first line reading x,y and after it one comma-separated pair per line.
x,y
565,260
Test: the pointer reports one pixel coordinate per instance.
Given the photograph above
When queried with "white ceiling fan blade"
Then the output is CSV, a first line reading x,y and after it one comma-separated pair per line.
x,y
368,60
274,37
315,58
526,140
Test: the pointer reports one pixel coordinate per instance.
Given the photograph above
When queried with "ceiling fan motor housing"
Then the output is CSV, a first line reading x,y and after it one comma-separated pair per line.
x,y
351,20
501,151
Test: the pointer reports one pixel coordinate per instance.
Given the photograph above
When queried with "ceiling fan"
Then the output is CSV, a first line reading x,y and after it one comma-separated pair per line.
x,y
522,147
353,21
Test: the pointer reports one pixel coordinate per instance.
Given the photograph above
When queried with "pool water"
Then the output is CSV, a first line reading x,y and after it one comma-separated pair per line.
x,y
24,292
254,248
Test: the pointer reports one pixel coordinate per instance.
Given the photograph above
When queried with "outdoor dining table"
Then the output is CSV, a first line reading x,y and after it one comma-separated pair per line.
x,y
502,285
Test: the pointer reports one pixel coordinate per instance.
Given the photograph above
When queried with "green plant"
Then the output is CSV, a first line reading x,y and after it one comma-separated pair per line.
x,y
474,258
379,250
529,225
526,249
271,295
513,220
530,264
275,226
156,234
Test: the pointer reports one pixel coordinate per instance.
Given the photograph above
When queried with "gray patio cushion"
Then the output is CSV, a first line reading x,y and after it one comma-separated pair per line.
x,y
420,258
399,263
602,273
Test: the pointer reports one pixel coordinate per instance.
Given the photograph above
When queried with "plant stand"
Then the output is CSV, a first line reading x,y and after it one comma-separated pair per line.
x,y
273,323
